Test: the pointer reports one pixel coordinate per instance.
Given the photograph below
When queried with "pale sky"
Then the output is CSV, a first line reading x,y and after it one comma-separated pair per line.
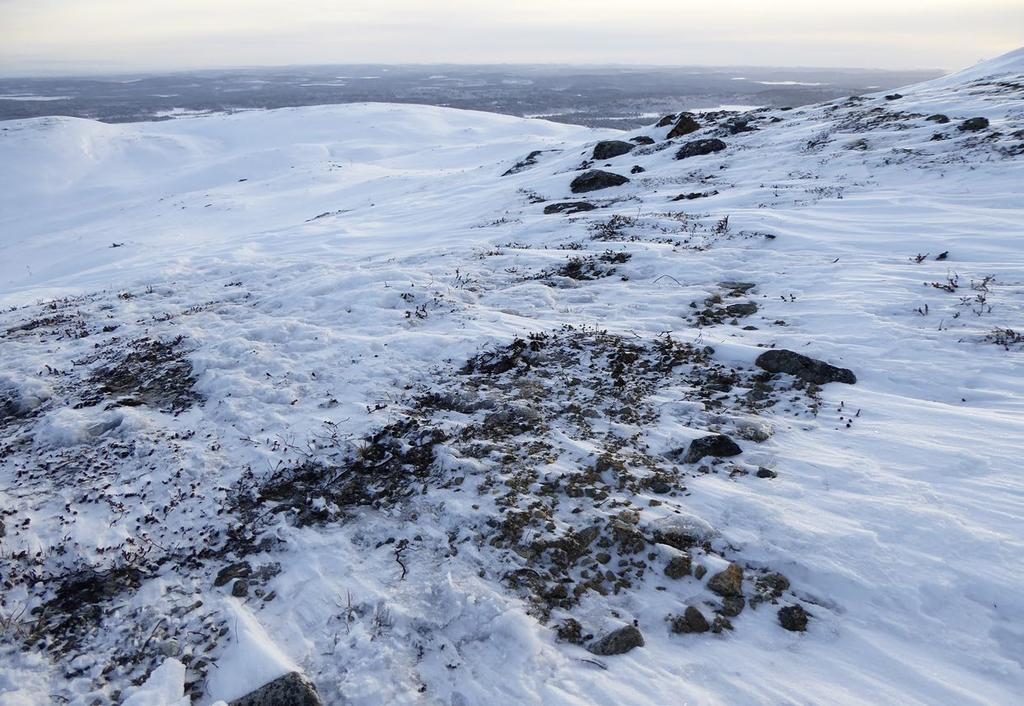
x,y
75,36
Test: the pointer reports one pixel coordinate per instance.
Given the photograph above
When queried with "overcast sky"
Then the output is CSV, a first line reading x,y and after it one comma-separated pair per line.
x,y
134,35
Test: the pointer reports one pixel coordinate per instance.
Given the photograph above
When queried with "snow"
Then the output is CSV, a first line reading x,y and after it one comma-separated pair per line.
x,y
164,687
324,266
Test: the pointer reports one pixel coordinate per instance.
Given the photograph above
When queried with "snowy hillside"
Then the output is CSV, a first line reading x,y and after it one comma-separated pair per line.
x,y
368,393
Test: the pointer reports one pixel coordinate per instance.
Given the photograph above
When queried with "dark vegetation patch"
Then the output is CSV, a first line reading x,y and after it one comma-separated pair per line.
x,y
146,372
509,424
586,268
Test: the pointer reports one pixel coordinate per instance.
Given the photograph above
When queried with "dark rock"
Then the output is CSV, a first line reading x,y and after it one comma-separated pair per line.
x,y
657,485
938,118
763,472
642,140
695,195
803,367
715,445
692,620
238,570
741,309
595,179
678,567
293,689
637,169
240,588
893,96
684,126
974,124
522,164
733,606
607,149
618,642
666,121
793,618
728,583
737,287
569,207
738,125
696,148
699,572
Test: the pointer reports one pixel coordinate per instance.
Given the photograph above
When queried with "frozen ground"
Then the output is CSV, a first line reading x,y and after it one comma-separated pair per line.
x,y
325,389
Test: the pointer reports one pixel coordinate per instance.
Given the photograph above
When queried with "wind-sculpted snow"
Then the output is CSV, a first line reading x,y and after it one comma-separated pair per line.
x,y
336,392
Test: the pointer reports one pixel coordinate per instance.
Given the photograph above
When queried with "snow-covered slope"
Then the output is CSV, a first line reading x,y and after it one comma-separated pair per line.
x,y
345,400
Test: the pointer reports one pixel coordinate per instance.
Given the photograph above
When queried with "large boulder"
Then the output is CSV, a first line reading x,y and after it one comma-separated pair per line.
x,y
293,689
606,149
804,367
974,124
696,148
618,642
596,179
684,126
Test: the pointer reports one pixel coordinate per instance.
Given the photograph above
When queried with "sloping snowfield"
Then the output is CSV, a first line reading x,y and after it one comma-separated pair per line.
x,y
326,390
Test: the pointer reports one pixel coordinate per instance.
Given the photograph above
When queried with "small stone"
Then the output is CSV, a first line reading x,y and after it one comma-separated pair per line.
x,y
678,567
763,472
793,618
618,642
692,620
637,169
720,623
729,582
603,557
737,287
938,118
642,140
240,588
570,630
700,571
769,587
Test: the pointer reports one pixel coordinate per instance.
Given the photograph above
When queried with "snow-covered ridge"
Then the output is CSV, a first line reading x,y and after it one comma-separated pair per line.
x,y
366,392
